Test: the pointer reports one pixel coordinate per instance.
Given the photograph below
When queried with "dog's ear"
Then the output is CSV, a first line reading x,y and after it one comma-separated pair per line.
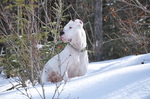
x,y
79,22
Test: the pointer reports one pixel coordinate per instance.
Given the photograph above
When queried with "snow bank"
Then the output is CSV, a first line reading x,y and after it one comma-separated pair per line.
x,y
124,78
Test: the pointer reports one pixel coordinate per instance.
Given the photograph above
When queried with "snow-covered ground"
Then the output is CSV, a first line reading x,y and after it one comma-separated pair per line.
x,y
123,78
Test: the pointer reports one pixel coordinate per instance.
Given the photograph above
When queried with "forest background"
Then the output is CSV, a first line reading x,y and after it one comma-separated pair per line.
x,y
29,31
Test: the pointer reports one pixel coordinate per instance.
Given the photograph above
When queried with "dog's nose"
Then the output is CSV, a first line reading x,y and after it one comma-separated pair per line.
x,y
61,33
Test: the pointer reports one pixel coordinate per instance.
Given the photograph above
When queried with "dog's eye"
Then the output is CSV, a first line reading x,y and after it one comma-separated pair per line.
x,y
70,27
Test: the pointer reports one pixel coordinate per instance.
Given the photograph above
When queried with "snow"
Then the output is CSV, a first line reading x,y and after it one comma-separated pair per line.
x,y
123,78
39,46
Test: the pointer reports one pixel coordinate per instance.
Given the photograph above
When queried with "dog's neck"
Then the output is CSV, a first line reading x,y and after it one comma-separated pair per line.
x,y
77,49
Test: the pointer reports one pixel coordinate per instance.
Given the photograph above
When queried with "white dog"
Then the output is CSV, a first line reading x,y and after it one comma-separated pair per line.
x,y
73,60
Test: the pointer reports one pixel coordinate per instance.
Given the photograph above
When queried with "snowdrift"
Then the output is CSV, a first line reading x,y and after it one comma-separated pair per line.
x,y
123,78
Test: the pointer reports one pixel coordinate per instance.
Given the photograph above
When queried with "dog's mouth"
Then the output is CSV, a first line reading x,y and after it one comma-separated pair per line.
x,y
65,40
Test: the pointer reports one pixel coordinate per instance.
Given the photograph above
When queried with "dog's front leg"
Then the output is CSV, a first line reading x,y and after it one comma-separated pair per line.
x,y
64,72
65,77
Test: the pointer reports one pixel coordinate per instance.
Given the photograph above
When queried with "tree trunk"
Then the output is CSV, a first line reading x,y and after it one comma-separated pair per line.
x,y
98,32
33,44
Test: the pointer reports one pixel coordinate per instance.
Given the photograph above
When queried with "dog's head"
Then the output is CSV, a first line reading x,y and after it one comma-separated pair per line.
x,y
72,31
